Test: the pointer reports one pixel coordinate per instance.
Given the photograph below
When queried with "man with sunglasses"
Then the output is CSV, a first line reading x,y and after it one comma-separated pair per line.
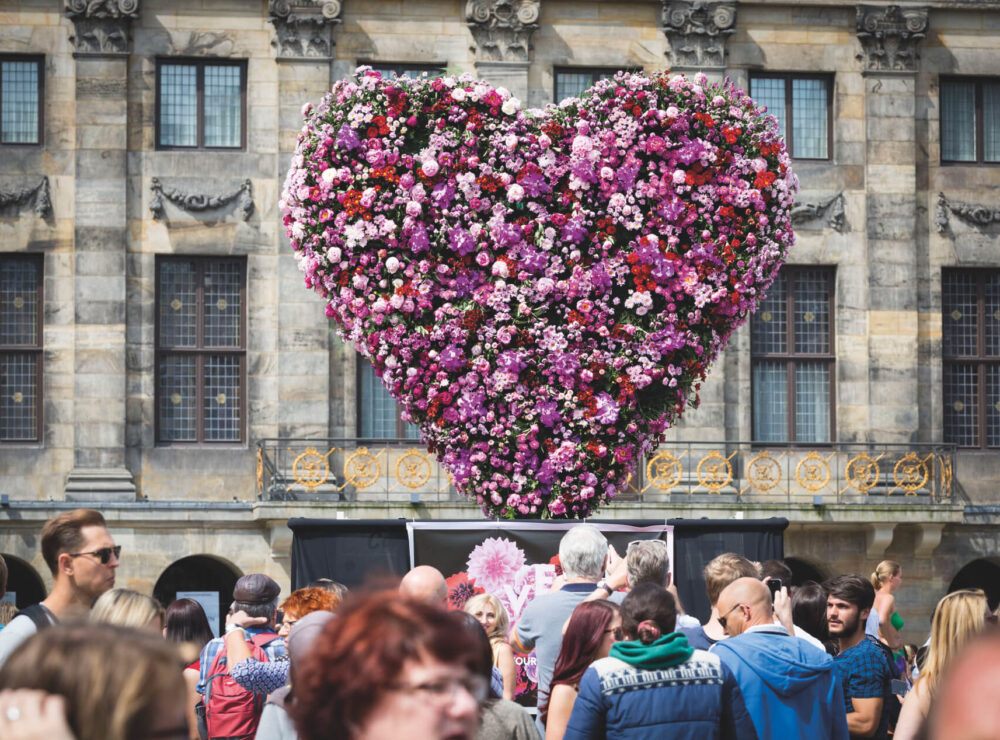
x,y
83,557
791,688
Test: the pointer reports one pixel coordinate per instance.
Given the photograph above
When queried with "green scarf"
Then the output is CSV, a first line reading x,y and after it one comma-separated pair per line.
x,y
667,651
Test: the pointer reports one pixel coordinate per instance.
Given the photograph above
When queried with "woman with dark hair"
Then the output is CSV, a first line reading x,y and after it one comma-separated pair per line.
x,y
592,629
809,612
187,625
390,667
500,719
656,685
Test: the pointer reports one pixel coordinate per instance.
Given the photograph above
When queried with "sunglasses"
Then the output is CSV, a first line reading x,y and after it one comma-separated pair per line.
x,y
722,619
104,554
619,634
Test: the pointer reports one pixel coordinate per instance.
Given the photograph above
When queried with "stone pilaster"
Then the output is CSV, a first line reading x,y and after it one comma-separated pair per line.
x,y
502,30
102,27
304,29
697,32
302,354
888,36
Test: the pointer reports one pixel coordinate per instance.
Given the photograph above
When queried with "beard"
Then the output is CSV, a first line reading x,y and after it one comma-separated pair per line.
x,y
846,627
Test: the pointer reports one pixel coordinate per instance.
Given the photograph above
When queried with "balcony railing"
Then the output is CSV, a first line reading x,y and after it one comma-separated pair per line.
x,y
725,472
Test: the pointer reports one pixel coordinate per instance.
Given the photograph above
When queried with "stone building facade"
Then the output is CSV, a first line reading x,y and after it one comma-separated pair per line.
x,y
138,219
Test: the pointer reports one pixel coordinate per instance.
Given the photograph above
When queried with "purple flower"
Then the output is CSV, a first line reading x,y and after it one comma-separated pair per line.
x,y
347,138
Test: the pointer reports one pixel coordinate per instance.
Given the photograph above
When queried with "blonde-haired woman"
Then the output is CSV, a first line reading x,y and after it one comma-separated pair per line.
x,y
126,608
490,612
958,618
884,622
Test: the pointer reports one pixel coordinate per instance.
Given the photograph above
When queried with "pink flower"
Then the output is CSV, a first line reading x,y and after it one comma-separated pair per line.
x,y
494,564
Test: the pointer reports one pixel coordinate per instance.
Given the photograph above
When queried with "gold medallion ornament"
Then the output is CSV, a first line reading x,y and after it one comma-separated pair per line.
x,y
958,406
18,303
956,315
809,317
714,472
175,398
766,316
863,472
311,469
221,304
911,473
221,399
362,469
413,469
812,472
764,472
18,397
176,304
664,471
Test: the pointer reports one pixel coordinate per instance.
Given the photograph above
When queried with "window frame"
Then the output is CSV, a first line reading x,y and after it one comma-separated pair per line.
x,y
981,360
591,70
788,78
791,359
978,81
39,59
199,351
362,366
36,349
200,63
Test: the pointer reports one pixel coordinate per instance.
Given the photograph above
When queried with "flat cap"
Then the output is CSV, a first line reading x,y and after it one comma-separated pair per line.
x,y
256,588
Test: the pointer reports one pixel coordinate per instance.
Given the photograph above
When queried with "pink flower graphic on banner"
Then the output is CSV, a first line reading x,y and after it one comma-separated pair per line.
x,y
495,563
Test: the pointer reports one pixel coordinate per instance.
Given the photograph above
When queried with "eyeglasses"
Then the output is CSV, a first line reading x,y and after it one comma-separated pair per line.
x,y
635,543
446,689
104,554
618,633
722,619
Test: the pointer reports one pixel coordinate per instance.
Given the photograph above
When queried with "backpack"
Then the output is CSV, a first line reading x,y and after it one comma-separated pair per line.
x,y
231,711
38,614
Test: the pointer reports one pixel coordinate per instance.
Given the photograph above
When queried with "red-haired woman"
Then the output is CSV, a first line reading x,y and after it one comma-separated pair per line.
x,y
390,667
591,631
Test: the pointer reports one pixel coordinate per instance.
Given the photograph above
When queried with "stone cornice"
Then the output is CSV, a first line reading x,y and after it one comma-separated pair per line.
x,y
199,201
697,32
304,28
102,27
37,195
975,214
502,29
832,207
889,35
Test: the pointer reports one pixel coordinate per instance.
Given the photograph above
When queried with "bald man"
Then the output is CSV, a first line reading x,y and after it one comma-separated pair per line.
x,y
425,583
791,688
967,702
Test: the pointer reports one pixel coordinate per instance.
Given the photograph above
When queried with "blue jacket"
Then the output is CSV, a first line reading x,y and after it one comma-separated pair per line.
x,y
698,699
791,688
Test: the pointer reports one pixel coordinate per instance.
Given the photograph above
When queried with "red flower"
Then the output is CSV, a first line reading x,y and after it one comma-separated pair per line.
x,y
461,589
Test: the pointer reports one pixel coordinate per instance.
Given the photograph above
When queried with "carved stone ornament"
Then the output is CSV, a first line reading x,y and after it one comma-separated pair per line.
x,y
102,26
697,32
889,36
972,213
304,28
38,197
199,201
833,208
502,29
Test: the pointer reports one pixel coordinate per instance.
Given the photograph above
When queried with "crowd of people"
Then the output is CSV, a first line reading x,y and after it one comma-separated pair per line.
x,y
617,657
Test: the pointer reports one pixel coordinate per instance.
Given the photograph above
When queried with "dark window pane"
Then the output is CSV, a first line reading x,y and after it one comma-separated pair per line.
x,y
809,116
18,388
19,301
812,312
177,399
992,406
958,121
178,304
991,312
223,105
222,399
770,402
769,324
812,402
223,281
572,84
178,105
770,92
958,307
961,424
991,121
19,85
377,407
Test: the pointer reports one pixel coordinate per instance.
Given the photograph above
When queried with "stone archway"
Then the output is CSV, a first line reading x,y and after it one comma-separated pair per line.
x,y
206,574
983,573
803,570
23,581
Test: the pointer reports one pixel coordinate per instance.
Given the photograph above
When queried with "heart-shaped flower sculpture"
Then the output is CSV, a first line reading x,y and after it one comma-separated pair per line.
x,y
542,291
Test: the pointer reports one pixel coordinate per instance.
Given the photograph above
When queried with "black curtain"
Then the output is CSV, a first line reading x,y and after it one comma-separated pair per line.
x,y
356,551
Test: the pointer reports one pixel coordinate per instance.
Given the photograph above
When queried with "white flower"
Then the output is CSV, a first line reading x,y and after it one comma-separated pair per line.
x,y
458,94
392,264
430,167
500,269
515,193
510,106
333,254
329,174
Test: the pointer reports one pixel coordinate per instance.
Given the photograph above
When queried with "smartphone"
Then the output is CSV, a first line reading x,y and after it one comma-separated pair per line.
x,y
775,585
